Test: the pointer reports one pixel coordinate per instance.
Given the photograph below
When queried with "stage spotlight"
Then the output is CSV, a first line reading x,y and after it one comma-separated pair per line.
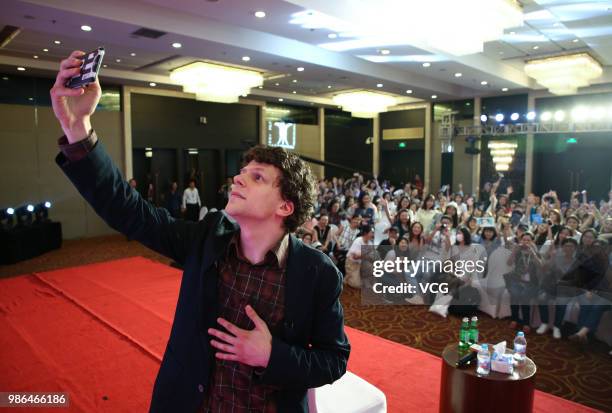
x,y
514,116
546,116
531,115
580,114
559,115
499,117
7,218
42,211
24,215
484,118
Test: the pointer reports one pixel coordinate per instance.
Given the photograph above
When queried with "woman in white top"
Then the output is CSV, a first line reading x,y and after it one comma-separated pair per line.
x,y
191,202
426,214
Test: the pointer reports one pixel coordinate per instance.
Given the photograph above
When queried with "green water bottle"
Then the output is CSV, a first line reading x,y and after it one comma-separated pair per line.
x,y
473,339
464,334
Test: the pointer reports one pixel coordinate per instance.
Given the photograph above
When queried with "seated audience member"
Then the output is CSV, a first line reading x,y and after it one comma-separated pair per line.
x,y
322,232
554,269
416,238
489,239
307,238
390,241
345,237
402,223
443,236
354,256
573,223
365,209
588,279
522,283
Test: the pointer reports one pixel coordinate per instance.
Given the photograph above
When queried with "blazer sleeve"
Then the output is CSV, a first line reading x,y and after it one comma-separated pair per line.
x,y
326,358
100,182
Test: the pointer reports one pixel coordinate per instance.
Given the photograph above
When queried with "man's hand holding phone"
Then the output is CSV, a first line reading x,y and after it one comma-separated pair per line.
x,y
74,107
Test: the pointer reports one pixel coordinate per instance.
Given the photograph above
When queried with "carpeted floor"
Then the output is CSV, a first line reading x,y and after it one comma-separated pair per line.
x,y
566,369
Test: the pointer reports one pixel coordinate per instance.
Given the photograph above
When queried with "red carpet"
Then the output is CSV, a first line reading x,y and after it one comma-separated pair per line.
x,y
98,333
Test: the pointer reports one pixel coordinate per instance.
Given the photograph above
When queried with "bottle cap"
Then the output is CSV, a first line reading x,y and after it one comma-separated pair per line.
x,y
474,318
484,346
520,334
465,319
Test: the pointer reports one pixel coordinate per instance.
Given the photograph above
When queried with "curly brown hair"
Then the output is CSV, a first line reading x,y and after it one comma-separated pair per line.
x,y
297,183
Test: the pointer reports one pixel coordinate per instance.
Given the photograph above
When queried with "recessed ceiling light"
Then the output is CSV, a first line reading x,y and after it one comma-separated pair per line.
x,y
177,45
57,42
329,86
260,14
385,51
536,47
30,98
277,84
21,69
45,50
35,57
132,54
409,91
575,40
458,74
105,65
245,58
294,92
118,60
86,28
484,83
294,80
505,89
280,99
379,85
434,96
152,84
300,69
332,35
426,64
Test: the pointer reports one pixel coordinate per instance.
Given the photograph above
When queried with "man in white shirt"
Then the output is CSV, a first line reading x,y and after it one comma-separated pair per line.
x,y
191,202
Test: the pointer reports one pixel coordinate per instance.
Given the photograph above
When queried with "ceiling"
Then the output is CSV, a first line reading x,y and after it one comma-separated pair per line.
x,y
227,30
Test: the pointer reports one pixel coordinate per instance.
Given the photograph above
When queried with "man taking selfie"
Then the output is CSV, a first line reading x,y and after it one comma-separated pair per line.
x,y
258,319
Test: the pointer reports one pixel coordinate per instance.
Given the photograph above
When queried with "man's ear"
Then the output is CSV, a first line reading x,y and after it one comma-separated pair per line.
x,y
286,208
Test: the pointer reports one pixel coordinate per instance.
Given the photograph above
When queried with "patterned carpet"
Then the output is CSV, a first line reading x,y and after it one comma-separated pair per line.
x,y
566,369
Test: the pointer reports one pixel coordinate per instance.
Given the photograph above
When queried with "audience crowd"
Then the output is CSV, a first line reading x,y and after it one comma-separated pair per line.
x,y
543,254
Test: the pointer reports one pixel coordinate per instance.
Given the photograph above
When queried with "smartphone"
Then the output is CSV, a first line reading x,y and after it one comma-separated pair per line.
x,y
92,62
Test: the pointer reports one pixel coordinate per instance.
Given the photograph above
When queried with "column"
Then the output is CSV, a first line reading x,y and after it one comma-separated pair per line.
x,y
529,150
427,167
476,158
126,104
376,145
263,133
321,116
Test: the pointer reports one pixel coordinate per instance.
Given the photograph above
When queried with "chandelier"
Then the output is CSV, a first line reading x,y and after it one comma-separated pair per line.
x,y
364,104
563,75
216,83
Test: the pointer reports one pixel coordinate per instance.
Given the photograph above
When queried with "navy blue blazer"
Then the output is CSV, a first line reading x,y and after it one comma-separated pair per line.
x,y
310,349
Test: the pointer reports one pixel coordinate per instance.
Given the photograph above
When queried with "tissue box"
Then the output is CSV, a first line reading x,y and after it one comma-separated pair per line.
x,y
502,363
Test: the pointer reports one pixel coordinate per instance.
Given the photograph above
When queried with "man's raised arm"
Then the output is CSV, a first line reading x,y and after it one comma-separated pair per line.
x,y
98,179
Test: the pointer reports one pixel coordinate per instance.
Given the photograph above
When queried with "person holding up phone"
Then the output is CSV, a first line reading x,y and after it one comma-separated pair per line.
x,y
254,325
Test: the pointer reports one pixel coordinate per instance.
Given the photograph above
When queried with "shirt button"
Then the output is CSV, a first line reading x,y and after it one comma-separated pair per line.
x,y
200,388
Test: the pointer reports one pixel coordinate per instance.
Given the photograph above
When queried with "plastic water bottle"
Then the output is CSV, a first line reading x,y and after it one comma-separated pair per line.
x,y
464,334
520,347
484,360
474,331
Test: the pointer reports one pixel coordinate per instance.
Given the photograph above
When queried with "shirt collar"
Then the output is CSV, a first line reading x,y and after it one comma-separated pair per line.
x,y
279,251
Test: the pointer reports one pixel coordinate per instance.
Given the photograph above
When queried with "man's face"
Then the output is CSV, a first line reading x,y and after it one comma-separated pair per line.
x,y
393,235
355,222
192,185
323,221
255,193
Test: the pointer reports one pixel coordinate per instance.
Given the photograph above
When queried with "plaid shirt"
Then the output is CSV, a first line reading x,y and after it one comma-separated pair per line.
x,y
231,387
346,238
